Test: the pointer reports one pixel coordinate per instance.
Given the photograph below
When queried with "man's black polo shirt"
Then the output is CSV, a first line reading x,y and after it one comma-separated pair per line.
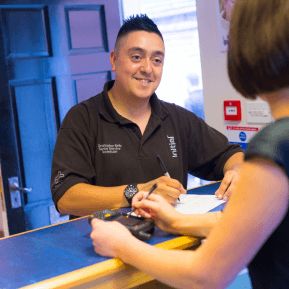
x,y
95,145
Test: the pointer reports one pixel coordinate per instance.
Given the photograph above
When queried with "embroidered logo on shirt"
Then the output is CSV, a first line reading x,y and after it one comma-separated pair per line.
x,y
173,146
59,176
109,149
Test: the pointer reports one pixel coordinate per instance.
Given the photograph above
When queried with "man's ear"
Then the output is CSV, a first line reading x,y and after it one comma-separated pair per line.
x,y
112,60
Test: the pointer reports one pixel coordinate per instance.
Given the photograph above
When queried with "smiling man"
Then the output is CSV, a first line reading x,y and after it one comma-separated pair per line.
x,y
138,64
107,147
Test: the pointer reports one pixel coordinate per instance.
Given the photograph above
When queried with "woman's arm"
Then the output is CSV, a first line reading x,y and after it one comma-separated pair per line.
x,y
171,221
256,208
258,205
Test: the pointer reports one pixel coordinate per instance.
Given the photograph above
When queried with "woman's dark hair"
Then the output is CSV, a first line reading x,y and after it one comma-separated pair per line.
x,y
137,23
258,50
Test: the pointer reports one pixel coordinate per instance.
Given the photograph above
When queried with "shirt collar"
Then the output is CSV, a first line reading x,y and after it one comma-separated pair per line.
x,y
158,107
110,114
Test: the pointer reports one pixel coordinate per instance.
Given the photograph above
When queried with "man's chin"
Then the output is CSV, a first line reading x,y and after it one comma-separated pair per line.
x,y
143,95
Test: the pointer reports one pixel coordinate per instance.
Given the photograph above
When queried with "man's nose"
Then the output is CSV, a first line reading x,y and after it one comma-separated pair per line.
x,y
146,66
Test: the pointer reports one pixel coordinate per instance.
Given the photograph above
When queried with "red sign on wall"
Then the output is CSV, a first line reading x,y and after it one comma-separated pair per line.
x,y
232,110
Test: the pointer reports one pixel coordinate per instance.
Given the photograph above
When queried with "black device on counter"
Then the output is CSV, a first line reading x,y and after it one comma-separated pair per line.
x,y
141,228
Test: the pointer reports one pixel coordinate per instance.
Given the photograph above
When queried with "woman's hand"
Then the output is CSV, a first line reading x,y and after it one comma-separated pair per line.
x,y
108,237
157,208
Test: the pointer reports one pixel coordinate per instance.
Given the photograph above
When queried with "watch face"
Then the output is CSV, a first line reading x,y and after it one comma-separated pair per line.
x,y
130,191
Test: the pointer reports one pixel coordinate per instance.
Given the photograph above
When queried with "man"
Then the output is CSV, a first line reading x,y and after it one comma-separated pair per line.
x,y
107,146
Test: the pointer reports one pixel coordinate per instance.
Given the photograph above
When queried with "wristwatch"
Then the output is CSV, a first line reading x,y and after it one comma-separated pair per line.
x,y
130,191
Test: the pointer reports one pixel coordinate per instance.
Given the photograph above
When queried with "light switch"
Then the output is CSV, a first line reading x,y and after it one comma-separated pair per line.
x,y
258,112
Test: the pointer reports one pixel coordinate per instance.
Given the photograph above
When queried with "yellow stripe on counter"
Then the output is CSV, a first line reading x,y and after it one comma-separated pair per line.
x,y
112,273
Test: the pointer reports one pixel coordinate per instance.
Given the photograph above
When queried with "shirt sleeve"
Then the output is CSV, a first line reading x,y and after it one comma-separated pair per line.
x,y
272,143
208,149
73,155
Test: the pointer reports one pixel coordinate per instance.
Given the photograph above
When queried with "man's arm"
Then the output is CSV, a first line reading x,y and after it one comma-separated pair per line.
x,y
231,173
83,199
234,162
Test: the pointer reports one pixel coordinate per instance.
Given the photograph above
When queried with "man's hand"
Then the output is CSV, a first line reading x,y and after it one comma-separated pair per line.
x,y
107,237
227,185
170,189
231,174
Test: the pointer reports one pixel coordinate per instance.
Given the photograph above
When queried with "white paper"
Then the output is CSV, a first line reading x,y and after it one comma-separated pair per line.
x,y
197,204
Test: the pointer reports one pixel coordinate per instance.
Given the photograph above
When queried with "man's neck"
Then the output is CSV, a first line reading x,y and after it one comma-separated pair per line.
x,y
132,108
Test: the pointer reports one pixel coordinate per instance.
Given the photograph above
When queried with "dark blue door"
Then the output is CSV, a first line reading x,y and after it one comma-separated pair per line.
x,y
53,54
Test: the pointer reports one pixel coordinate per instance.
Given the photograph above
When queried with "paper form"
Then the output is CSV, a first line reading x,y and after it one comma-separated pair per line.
x,y
197,204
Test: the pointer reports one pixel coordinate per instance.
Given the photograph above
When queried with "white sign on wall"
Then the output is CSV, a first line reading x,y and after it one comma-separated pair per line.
x,y
241,134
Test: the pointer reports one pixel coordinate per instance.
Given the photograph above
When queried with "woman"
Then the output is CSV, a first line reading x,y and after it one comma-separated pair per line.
x,y
253,230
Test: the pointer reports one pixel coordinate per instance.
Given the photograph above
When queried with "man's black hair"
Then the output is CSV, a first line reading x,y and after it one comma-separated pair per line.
x,y
137,23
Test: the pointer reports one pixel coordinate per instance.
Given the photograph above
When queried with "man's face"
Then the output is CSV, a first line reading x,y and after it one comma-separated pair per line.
x,y
138,64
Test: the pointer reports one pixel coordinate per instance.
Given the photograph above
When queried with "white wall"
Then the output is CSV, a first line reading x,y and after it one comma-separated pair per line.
x,y
216,84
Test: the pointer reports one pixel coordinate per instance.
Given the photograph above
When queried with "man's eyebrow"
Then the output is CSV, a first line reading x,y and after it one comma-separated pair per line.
x,y
160,53
132,49
138,49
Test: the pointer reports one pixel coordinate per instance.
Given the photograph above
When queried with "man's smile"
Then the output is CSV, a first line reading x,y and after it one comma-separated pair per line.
x,y
143,80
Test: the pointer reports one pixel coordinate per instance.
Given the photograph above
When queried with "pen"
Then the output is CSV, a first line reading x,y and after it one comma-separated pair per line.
x,y
163,167
151,190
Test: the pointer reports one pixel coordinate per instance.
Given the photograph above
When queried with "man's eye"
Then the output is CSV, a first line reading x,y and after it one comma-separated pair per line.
x,y
136,57
158,61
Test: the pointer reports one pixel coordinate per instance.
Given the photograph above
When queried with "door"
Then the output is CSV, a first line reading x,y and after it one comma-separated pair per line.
x,y
53,54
